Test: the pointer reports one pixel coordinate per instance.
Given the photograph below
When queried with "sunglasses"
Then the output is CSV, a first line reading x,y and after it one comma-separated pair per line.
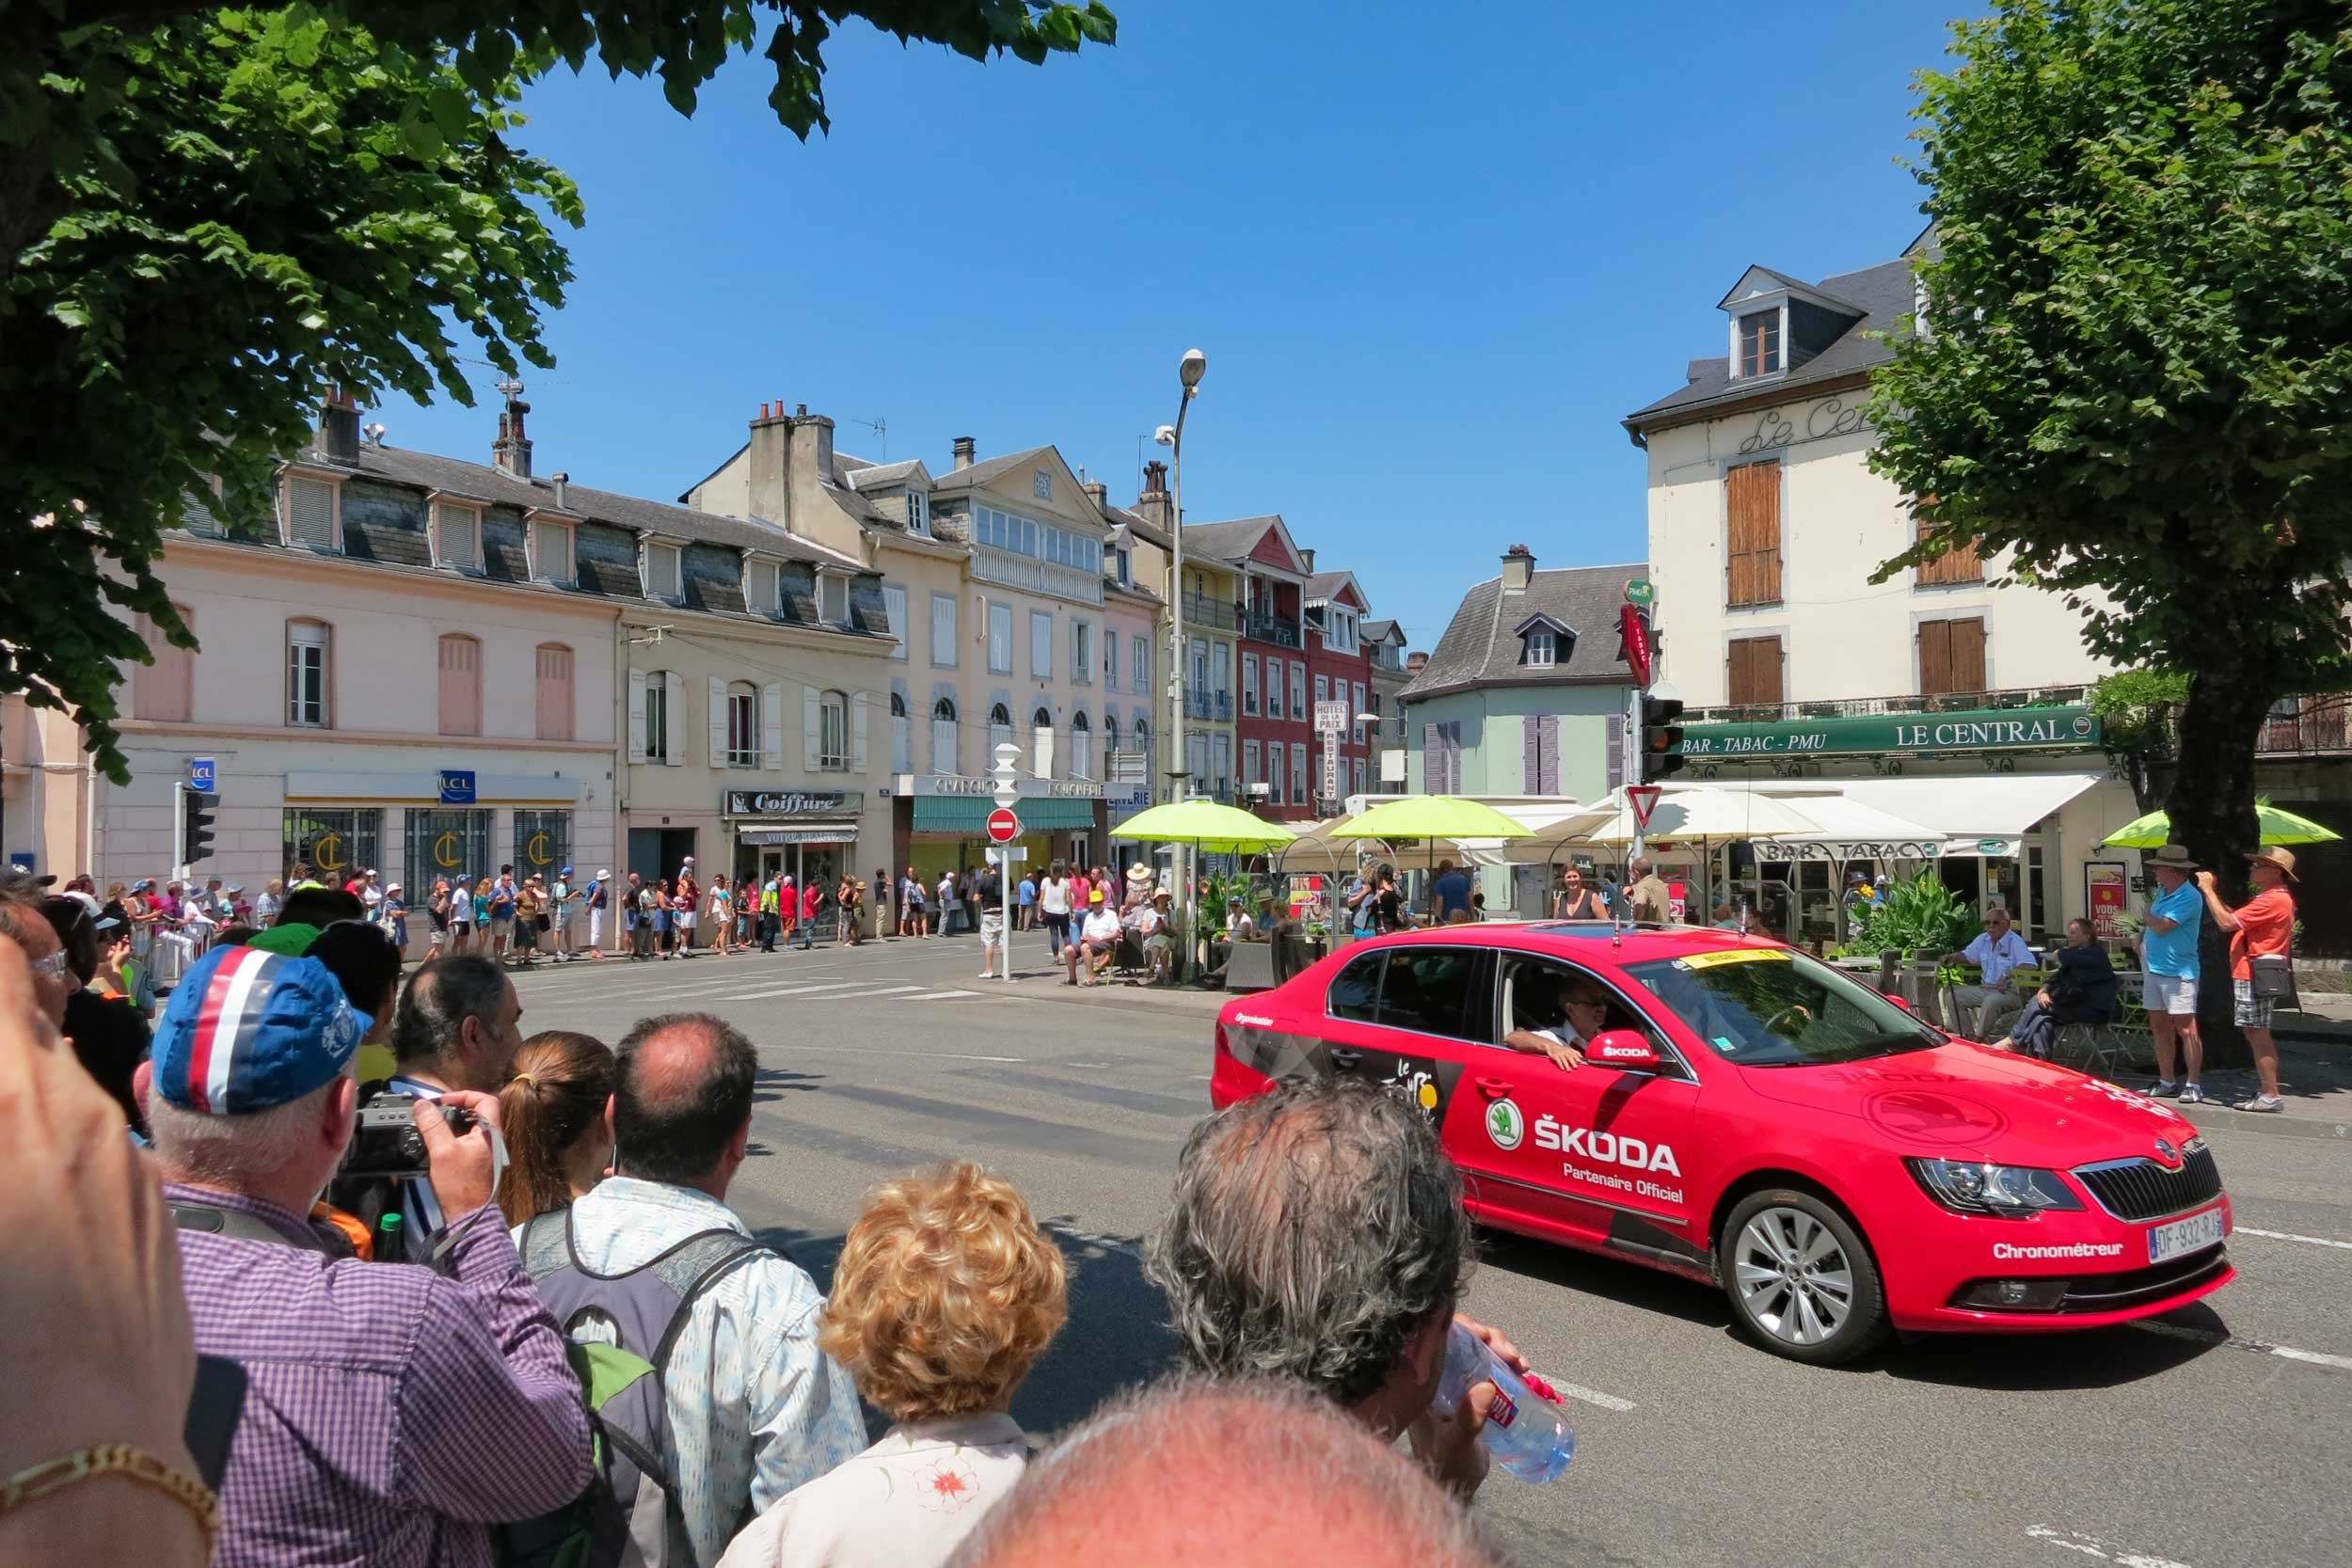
x,y
53,965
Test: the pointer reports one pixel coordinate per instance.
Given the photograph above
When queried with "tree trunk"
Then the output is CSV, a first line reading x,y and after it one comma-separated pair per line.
x,y
2211,803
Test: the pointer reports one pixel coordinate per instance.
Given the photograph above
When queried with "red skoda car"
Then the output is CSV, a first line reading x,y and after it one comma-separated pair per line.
x,y
1755,1119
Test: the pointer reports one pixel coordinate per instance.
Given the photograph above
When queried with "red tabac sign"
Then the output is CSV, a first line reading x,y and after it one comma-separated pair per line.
x,y
1633,642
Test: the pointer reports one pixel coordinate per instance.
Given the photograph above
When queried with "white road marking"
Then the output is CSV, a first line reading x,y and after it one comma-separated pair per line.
x,y
2099,1550
946,996
2260,1346
790,991
2291,1236
861,1050
1589,1395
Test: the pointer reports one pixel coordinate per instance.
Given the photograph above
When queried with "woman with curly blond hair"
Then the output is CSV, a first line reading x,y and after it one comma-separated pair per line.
x,y
945,1294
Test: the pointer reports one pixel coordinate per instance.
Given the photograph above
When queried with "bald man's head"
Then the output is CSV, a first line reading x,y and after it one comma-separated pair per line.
x,y
1239,1474
683,1099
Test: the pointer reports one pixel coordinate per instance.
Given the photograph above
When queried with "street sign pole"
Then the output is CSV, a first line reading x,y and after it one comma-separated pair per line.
x,y
1007,793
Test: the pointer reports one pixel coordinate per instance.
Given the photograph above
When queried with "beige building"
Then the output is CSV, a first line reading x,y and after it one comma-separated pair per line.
x,y
1002,584
1943,695
1211,596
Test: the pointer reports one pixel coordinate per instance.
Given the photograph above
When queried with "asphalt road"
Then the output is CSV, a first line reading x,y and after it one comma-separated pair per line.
x,y
2218,1437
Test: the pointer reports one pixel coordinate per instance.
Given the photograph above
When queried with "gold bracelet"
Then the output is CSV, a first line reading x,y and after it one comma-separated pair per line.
x,y
120,1459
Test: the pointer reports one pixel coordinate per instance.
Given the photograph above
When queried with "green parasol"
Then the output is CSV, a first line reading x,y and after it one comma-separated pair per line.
x,y
2154,830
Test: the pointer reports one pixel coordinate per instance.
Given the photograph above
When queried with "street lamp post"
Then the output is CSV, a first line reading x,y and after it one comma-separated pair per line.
x,y
1189,370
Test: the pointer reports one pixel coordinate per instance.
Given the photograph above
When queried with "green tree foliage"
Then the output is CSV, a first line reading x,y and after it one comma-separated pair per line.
x,y
2136,710
2136,372
208,216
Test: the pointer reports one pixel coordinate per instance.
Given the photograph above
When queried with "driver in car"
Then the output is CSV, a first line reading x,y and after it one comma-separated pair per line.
x,y
1579,1009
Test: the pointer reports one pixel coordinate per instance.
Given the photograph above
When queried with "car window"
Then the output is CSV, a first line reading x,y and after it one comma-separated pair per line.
x,y
1356,988
1532,995
1776,1007
1435,990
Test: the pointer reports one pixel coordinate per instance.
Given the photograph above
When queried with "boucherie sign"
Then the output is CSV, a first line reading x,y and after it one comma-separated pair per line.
x,y
793,803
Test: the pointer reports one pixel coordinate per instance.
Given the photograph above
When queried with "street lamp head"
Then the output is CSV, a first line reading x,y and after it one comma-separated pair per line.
x,y
1165,436
1194,366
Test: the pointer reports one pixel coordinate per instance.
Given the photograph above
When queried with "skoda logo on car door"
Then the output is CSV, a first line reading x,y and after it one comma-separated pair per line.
x,y
1505,1127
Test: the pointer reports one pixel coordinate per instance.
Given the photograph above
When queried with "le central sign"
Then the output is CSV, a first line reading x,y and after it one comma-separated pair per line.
x,y
1911,733
793,803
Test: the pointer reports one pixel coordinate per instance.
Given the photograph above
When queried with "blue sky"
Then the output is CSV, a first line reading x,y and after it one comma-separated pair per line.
x,y
1434,253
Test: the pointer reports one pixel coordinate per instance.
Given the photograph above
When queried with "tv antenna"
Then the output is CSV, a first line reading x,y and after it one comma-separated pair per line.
x,y
880,426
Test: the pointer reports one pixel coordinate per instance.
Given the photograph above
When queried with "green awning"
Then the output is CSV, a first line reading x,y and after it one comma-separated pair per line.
x,y
968,813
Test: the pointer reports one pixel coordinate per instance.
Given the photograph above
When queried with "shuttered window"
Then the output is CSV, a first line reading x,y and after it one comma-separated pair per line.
x,y
461,685
1754,671
1760,343
311,514
1751,494
1959,563
555,691
460,535
164,689
1951,656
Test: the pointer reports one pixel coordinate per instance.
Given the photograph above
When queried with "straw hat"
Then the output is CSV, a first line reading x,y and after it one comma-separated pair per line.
x,y
2274,855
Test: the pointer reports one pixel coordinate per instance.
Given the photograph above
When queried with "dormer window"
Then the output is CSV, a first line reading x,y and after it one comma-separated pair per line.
x,y
760,594
1541,650
658,569
833,597
1543,643
459,535
552,552
1760,343
919,512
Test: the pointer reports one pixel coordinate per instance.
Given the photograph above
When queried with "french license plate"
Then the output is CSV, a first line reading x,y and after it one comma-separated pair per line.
x,y
2183,1236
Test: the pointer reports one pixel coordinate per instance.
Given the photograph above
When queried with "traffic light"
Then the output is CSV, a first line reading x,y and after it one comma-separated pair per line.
x,y
195,824
1661,736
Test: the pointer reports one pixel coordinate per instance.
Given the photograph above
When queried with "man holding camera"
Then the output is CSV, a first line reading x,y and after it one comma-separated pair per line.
x,y
458,1028
389,1411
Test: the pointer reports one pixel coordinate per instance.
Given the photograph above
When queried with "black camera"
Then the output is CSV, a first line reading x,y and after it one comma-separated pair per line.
x,y
386,1141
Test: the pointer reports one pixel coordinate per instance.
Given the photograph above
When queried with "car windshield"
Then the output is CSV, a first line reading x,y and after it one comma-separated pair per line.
x,y
1772,1007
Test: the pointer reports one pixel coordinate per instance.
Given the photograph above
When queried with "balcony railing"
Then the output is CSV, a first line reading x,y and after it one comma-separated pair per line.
x,y
1262,627
1208,704
2314,725
1040,577
1863,708
1216,614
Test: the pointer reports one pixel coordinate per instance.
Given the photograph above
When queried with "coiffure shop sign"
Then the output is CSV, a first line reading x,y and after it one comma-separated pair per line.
x,y
793,803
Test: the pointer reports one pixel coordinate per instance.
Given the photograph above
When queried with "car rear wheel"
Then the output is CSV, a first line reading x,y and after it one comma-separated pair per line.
x,y
1799,1279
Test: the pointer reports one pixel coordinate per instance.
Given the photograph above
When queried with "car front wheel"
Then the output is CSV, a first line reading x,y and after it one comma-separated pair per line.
x,y
1799,1279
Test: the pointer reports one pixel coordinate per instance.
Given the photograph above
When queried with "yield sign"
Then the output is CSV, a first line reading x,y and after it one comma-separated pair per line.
x,y
1643,800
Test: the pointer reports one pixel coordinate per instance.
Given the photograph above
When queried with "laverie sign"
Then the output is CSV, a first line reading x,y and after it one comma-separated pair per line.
x,y
1913,734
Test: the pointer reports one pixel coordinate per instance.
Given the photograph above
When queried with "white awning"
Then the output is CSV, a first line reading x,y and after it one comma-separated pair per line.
x,y
1984,815
1542,818
1849,831
1685,812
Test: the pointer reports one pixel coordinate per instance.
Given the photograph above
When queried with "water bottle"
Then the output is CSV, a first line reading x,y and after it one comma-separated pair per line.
x,y
1524,1432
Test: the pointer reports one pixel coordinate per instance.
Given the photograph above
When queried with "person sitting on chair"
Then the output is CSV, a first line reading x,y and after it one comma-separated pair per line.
x,y
2082,992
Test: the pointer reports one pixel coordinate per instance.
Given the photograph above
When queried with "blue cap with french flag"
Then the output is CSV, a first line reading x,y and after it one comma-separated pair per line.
x,y
247,1030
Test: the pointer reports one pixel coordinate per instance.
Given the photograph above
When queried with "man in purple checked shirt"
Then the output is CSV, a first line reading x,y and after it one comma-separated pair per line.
x,y
392,1412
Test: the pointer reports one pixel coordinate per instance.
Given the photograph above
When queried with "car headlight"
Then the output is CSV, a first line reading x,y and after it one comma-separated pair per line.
x,y
1972,1187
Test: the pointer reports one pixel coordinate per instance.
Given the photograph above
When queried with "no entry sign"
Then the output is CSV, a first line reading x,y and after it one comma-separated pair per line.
x,y
1002,826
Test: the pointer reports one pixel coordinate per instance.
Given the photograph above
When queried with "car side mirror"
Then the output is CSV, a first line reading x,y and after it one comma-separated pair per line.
x,y
1903,1002
1627,1050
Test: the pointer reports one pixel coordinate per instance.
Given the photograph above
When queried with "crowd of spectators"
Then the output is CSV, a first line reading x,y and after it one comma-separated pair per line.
x,y
213,1363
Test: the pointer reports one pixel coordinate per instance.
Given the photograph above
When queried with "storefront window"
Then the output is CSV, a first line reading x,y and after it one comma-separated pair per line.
x,y
542,842
450,843
333,842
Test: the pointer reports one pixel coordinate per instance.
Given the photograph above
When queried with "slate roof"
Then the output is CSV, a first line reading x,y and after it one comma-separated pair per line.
x,y
1479,649
484,481
875,476
1322,585
1884,291
1229,541
1150,532
1378,631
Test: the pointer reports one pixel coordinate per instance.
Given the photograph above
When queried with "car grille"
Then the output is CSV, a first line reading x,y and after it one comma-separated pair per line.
x,y
2145,1190
2116,1292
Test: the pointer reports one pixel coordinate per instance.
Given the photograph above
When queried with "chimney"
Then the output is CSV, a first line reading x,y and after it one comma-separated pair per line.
x,y
1518,568
1416,663
768,460
965,448
1307,559
511,452
812,443
1152,502
338,428
1097,492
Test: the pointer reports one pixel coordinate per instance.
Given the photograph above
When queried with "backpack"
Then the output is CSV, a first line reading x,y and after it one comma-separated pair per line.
x,y
619,1330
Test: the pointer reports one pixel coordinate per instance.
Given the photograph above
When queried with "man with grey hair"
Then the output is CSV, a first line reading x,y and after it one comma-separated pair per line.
x,y
754,1408
390,1410
1284,1468
1317,1234
1652,901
